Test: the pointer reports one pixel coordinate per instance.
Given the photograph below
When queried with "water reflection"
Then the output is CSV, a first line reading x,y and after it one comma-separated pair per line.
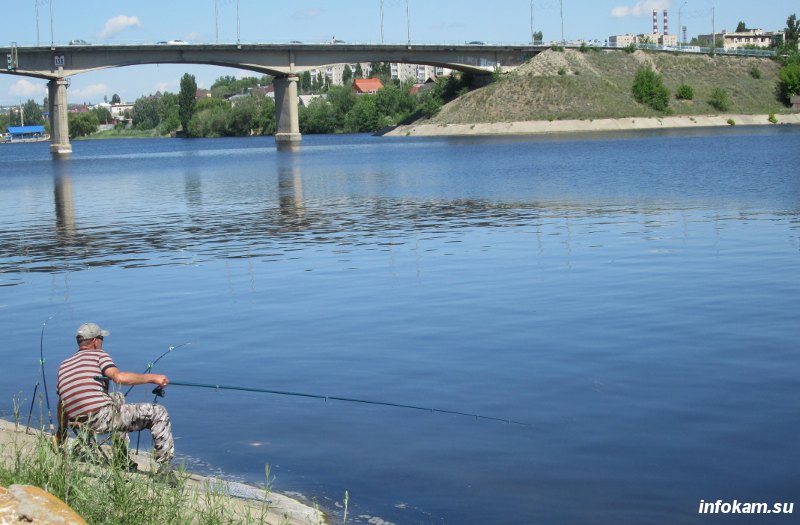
x,y
64,206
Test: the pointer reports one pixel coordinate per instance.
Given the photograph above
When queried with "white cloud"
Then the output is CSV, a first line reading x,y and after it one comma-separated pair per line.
x,y
93,93
25,88
118,24
642,8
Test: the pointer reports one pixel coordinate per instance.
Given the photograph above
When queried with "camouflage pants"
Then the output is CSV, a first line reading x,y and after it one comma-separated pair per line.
x,y
120,418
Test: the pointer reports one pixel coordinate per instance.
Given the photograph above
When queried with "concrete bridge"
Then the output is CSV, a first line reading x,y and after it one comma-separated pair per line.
x,y
283,61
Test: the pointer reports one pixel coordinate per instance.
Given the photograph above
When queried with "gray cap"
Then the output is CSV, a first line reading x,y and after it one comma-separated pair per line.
x,y
90,331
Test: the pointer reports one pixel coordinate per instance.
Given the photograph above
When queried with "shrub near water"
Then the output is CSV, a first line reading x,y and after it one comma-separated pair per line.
x,y
684,92
720,99
648,88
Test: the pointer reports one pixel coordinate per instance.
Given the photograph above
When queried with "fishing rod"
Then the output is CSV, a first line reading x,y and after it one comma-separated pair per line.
x,y
159,392
44,380
152,364
147,370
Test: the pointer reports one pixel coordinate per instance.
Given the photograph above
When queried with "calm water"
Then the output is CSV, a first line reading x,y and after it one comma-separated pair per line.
x,y
635,298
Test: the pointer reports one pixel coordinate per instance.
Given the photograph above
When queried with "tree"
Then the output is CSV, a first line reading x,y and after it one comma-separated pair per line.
x,y
145,112
266,117
318,117
115,99
187,100
792,31
538,37
347,75
32,113
364,115
82,124
720,99
359,72
789,84
305,82
741,28
168,113
648,88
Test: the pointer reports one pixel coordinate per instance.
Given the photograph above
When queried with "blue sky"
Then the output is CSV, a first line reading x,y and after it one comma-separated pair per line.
x,y
429,21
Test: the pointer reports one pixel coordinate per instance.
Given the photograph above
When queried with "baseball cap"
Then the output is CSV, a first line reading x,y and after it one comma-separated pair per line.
x,y
90,331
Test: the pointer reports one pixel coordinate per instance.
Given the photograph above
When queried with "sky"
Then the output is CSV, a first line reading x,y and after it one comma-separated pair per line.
x,y
317,21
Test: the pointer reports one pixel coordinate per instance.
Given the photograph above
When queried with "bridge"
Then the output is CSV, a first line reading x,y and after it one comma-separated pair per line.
x,y
283,61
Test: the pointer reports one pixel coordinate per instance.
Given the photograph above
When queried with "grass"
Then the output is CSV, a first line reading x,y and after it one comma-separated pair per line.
x,y
124,134
110,495
536,90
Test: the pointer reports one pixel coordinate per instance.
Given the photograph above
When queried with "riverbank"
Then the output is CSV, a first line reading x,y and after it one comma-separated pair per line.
x,y
237,498
594,125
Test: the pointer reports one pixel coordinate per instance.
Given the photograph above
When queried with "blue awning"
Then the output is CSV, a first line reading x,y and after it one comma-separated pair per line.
x,y
25,130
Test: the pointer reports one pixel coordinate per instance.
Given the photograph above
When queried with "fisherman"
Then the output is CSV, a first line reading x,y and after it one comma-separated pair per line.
x,y
84,400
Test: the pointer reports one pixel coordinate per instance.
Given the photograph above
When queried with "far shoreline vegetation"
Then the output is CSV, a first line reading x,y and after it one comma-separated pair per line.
x,y
559,84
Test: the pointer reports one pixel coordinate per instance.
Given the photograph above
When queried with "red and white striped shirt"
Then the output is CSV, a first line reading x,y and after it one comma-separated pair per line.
x,y
80,392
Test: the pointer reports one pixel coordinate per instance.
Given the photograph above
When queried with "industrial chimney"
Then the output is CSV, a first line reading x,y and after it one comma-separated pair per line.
x,y
655,22
666,24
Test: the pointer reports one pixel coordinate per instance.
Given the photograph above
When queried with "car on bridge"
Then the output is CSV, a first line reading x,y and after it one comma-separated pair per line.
x,y
79,42
172,43
476,43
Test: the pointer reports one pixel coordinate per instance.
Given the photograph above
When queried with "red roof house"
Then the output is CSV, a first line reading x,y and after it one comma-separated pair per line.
x,y
367,85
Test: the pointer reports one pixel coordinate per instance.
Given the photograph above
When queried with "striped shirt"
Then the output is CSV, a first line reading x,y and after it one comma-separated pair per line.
x,y
80,392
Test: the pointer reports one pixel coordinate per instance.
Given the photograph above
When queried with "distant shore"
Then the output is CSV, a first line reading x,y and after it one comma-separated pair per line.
x,y
543,127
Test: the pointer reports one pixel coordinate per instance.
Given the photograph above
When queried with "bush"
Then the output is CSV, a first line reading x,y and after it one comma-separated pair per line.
x,y
789,84
684,92
755,72
630,48
720,99
772,118
648,88
731,122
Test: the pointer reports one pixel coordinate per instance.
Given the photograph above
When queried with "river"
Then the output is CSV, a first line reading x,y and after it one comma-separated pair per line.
x,y
633,297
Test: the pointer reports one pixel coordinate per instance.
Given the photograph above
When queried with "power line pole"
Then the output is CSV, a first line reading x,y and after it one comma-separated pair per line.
x,y
36,4
533,40
381,21
216,21
562,22
408,24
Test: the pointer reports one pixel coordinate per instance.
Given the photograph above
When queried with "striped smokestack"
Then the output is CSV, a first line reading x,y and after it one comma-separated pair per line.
x,y
655,22
666,24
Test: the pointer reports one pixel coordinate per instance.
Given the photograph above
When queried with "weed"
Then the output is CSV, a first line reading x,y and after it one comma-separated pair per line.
x,y
731,122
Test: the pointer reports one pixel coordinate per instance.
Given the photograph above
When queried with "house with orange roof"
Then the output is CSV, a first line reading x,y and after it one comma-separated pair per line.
x,y
362,86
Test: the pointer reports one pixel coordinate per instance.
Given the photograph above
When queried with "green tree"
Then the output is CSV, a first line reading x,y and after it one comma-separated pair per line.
x,y
394,102
347,75
741,28
648,88
538,37
429,103
103,115
82,124
789,84
243,117
305,82
187,100
792,31
266,117
342,100
364,115
318,117
32,113
168,113
115,99
145,112
359,72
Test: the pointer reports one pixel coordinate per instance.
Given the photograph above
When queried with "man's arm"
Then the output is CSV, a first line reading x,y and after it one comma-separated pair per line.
x,y
132,378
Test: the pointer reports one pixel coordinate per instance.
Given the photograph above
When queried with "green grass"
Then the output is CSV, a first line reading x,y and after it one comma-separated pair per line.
x,y
598,85
110,495
124,134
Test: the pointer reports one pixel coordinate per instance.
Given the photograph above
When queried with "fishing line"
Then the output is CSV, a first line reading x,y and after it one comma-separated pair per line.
x,y
159,392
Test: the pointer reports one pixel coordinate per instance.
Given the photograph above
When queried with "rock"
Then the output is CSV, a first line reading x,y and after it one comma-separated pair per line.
x,y
34,506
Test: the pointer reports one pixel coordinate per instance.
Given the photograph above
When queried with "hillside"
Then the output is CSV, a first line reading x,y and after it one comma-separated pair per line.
x,y
596,84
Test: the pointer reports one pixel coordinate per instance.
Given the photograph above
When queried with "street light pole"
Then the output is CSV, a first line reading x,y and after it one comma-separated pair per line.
x,y
562,21
238,39
52,40
36,4
533,39
216,21
408,24
680,27
381,21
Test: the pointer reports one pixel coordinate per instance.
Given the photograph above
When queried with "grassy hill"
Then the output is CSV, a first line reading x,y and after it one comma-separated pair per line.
x,y
558,85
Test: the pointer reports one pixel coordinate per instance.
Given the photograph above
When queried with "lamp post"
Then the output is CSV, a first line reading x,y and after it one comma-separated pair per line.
x,y
238,39
52,40
36,5
562,22
216,21
680,26
408,25
533,39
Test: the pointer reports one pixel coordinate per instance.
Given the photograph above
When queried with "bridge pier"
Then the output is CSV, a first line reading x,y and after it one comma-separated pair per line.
x,y
59,124
287,129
